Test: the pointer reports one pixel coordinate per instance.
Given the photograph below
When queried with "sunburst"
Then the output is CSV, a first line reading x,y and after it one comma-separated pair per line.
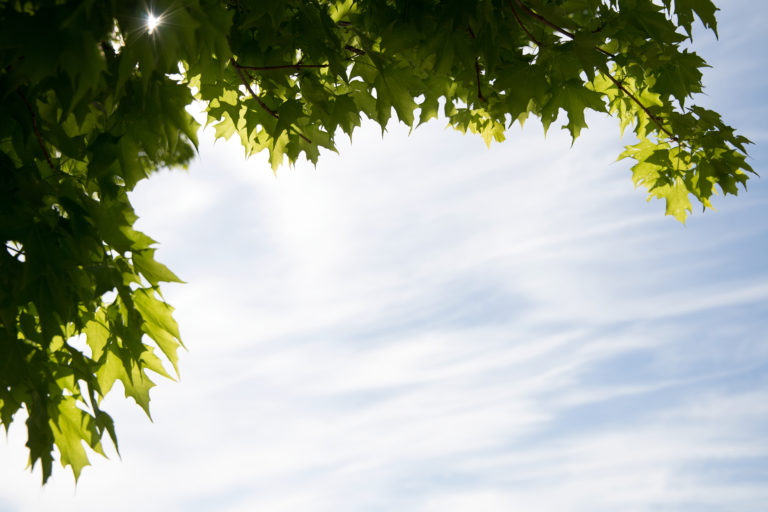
x,y
153,22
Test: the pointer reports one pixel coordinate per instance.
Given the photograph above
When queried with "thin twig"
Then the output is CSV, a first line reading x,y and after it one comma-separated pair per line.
x,y
610,77
282,66
356,51
645,109
543,19
520,22
17,252
250,76
558,28
600,28
247,85
477,75
36,129
477,67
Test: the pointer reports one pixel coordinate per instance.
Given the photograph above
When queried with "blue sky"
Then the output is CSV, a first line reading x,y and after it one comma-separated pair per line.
x,y
423,324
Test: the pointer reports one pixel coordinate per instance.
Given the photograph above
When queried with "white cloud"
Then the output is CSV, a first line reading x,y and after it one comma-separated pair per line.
x,y
421,324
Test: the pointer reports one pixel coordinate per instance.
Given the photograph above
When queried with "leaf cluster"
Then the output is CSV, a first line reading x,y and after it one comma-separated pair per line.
x,y
93,102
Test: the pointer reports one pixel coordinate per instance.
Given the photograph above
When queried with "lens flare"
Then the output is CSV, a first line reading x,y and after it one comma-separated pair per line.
x,y
152,22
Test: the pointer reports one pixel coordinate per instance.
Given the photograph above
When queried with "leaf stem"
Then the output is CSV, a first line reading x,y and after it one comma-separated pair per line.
x,y
263,105
36,129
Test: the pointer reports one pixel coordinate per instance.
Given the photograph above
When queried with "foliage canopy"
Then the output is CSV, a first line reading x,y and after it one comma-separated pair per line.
x,y
93,99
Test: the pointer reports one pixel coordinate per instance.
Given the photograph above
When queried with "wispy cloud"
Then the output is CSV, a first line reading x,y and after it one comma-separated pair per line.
x,y
422,324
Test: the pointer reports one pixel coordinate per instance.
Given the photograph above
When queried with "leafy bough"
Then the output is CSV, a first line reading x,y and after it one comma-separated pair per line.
x,y
94,99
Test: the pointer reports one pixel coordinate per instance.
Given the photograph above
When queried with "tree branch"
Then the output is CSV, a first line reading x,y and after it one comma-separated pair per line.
x,y
282,66
356,51
543,19
610,77
17,252
247,85
520,22
263,105
36,129
640,104
477,67
477,76
553,26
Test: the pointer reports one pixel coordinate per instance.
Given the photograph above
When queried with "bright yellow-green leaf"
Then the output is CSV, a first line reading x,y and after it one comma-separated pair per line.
x,y
151,269
71,426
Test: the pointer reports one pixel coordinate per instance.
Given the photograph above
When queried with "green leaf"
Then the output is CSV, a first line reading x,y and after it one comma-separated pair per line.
x,y
135,382
653,170
71,426
704,9
159,323
153,271
574,98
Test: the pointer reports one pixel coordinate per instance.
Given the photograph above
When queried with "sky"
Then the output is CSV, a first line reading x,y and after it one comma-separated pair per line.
x,y
423,324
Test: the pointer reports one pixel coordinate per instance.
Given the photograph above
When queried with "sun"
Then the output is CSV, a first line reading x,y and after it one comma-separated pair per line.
x,y
152,22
